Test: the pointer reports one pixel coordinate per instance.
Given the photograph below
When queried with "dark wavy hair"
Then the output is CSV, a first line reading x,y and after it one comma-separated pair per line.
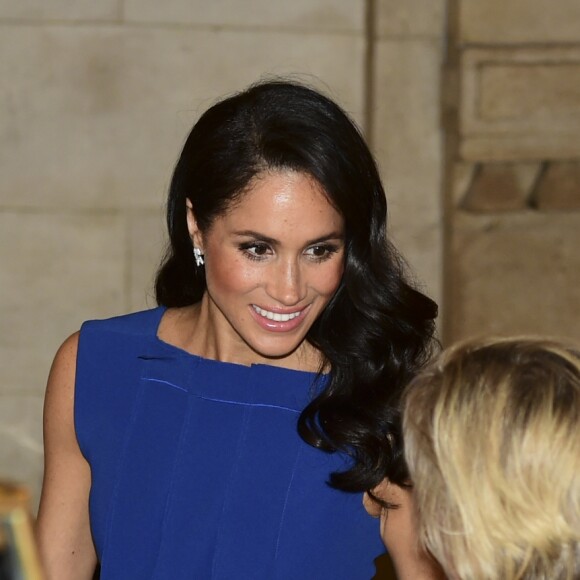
x,y
377,330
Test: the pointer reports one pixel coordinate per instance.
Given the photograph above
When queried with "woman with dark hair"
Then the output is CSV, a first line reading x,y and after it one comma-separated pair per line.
x,y
217,435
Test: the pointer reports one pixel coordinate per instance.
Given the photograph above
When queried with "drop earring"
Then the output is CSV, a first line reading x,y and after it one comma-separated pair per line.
x,y
198,257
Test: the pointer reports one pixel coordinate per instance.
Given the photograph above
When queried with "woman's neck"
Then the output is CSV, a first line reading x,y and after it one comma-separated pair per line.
x,y
197,329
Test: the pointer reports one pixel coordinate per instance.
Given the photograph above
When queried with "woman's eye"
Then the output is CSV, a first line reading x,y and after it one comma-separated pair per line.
x,y
321,252
255,251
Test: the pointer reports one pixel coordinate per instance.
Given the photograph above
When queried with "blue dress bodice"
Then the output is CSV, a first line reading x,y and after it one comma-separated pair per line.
x,y
198,471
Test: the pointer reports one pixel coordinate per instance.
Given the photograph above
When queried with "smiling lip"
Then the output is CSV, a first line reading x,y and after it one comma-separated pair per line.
x,y
278,320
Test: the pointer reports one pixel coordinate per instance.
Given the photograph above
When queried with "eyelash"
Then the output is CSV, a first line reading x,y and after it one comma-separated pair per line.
x,y
329,250
246,248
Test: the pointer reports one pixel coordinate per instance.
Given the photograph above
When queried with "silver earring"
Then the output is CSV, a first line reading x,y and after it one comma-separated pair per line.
x,y
198,256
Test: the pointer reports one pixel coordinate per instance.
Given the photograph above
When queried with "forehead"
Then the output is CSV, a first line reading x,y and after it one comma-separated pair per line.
x,y
284,199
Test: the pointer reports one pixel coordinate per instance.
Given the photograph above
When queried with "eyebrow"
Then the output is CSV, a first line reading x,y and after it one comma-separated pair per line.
x,y
274,242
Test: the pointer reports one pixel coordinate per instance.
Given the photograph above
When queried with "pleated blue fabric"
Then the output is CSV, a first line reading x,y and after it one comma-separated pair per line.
x,y
198,471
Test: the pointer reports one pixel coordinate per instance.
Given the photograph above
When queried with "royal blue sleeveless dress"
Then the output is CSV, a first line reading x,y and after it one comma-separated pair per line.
x,y
198,471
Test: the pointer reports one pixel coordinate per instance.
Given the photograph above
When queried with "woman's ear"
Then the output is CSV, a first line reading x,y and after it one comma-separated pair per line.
x,y
194,231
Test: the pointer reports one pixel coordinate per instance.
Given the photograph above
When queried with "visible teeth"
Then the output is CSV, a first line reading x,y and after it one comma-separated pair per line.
x,y
276,316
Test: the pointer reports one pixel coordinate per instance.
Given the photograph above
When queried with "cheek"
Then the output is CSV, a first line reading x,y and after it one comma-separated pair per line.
x,y
229,275
328,279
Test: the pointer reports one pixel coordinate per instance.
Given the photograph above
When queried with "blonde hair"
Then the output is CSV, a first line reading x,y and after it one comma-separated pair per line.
x,y
492,441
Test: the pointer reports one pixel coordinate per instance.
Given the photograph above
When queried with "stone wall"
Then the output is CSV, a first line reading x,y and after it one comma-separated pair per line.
x,y
513,168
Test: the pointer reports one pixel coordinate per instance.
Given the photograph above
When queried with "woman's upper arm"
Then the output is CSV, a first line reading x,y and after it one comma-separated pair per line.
x,y
399,533
62,528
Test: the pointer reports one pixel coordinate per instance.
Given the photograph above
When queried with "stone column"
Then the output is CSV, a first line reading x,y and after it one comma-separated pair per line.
x,y
406,130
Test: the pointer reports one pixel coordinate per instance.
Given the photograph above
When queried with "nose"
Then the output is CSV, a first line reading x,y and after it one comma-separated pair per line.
x,y
285,284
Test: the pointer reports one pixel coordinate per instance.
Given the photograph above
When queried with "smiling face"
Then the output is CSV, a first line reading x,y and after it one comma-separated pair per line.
x,y
273,261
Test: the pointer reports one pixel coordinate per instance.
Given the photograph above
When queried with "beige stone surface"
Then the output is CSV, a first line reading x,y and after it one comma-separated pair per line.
x,y
460,178
529,91
519,21
60,9
57,270
515,273
407,138
517,147
559,187
318,15
524,100
410,18
21,437
421,244
501,187
95,116
146,239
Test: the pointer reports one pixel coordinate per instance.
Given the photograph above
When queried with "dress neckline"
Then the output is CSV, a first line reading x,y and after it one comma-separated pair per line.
x,y
211,361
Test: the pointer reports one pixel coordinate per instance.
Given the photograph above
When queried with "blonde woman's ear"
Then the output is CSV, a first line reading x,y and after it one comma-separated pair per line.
x,y
399,532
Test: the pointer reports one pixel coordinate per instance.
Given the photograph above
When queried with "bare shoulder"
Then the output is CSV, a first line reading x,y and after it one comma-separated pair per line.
x,y
66,356
63,530
59,433
61,380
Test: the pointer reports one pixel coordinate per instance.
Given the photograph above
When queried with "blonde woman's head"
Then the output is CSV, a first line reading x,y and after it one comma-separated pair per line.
x,y
492,440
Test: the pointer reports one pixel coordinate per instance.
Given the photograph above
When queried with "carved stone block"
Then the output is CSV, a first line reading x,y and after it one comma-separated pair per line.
x,y
411,18
559,187
519,21
519,104
500,187
514,273
314,15
79,10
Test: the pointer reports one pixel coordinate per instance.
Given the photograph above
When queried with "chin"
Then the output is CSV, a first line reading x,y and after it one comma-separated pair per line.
x,y
275,351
